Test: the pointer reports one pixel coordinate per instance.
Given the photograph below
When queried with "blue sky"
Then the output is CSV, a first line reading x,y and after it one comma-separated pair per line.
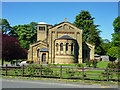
x,y
55,12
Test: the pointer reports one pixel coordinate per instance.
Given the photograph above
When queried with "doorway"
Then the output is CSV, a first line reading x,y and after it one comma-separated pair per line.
x,y
44,58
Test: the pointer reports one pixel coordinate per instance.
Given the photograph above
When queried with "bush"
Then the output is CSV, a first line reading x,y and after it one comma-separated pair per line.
x,y
78,65
88,62
94,63
70,72
113,65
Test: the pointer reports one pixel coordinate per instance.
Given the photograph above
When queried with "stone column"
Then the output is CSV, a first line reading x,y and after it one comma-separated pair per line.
x,y
47,57
69,49
40,58
59,48
64,48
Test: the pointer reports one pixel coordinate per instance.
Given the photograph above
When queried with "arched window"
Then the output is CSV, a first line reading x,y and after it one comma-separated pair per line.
x,y
66,46
38,52
57,46
61,47
71,48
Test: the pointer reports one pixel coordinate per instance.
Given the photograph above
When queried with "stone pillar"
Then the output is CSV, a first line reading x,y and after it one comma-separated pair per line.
x,y
50,47
47,57
69,49
73,48
59,48
40,58
64,48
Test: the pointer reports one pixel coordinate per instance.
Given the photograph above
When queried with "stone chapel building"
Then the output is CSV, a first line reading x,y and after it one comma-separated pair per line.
x,y
61,43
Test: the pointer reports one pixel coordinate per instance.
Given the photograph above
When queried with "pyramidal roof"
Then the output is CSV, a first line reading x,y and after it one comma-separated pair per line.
x,y
65,36
42,23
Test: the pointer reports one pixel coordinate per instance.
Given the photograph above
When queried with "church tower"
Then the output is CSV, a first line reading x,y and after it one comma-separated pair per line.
x,y
42,31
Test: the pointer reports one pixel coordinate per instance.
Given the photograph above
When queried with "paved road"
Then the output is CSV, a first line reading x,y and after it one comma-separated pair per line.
x,y
19,83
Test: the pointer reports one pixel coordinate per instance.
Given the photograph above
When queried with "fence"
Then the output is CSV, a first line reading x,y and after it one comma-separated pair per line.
x,y
82,73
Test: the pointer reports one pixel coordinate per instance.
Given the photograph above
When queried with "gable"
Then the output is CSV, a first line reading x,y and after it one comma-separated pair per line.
x,y
65,26
39,43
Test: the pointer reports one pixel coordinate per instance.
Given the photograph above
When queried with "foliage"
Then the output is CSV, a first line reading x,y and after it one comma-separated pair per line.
x,y
27,34
90,33
88,62
11,48
116,24
105,44
78,65
116,39
94,63
113,53
113,65
84,21
5,26
70,72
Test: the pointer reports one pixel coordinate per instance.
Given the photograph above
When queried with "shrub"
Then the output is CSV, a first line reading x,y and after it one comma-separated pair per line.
x,y
94,63
78,65
70,72
88,62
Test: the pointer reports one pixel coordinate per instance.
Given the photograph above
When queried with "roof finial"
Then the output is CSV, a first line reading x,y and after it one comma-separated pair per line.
x,y
65,19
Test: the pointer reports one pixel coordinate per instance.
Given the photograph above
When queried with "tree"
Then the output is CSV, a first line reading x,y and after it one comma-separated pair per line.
x,y
84,21
90,33
116,24
5,26
105,44
11,48
114,51
26,34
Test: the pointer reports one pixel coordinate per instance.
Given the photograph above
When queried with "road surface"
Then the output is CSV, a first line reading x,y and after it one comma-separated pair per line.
x,y
22,83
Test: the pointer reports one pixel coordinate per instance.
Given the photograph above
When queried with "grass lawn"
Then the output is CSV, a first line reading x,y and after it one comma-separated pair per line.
x,y
100,64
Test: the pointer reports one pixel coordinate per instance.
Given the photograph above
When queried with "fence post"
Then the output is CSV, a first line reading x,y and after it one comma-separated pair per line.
x,y
107,74
6,70
61,72
23,71
40,71
82,72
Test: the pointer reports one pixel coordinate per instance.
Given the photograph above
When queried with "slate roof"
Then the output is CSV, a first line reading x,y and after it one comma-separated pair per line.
x,y
96,55
44,49
65,36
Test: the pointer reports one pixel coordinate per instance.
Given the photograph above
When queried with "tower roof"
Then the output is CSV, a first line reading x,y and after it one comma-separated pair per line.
x,y
42,23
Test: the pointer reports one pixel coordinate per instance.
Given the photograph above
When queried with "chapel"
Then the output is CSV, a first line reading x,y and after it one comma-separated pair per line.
x,y
59,44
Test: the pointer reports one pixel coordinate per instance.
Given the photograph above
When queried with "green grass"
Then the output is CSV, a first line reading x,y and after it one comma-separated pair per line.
x,y
100,64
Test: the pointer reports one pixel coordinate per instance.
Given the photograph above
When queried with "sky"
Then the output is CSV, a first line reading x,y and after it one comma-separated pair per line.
x,y
19,13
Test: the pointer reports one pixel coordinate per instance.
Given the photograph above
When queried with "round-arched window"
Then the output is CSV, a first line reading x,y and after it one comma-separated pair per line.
x,y
71,48
66,46
61,47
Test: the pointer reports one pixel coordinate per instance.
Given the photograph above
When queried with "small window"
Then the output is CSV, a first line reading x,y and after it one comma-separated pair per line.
x,y
71,48
61,47
57,46
42,28
66,46
38,52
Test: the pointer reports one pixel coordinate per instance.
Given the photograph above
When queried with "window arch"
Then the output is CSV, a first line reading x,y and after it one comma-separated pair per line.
x,y
71,48
38,52
61,47
66,46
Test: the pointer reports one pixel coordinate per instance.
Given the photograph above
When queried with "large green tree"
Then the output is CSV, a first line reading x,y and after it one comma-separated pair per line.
x,y
115,44
84,22
90,33
27,34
